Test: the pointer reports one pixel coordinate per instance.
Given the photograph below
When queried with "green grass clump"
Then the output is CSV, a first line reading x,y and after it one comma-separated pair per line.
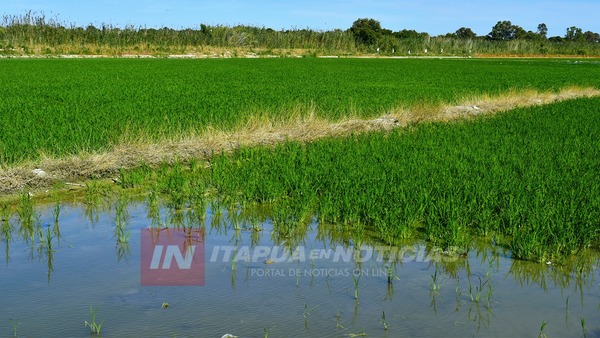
x,y
59,107
95,328
528,179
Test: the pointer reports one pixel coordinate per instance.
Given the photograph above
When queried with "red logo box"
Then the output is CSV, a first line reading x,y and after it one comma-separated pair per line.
x,y
172,257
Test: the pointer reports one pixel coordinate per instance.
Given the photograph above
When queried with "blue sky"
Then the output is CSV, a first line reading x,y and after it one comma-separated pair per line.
x,y
432,16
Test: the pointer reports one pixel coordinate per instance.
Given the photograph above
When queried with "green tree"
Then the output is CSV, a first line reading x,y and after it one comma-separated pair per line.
x,y
542,30
520,33
205,30
505,30
591,36
411,34
465,33
366,31
555,39
389,44
574,34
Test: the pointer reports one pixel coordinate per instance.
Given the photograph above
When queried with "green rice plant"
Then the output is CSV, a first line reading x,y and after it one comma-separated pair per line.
x,y
541,334
476,295
500,177
233,260
583,326
15,325
337,321
132,178
121,232
56,210
93,193
56,213
48,251
384,321
152,206
567,310
389,291
449,177
475,313
92,214
5,212
391,274
6,229
267,331
436,282
26,213
458,294
234,215
198,204
47,240
95,328
480,290
355,281
121,211
173,98
123,249
175,185
30,225
94,198
307,314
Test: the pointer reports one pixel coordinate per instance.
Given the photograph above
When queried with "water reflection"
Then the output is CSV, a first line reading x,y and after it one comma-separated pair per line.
x,y
576,272
6,228
122,232
41,240
474,290
364,274
286,233
292,231
46,249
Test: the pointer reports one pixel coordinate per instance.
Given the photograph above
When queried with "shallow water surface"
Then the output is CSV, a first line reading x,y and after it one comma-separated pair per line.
x,y
259,280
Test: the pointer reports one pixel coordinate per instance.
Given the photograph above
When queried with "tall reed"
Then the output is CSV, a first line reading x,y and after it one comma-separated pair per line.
x,y
34,33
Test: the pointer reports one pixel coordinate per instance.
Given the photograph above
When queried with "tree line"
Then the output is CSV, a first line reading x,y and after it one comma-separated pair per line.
x,y
369,31
35,34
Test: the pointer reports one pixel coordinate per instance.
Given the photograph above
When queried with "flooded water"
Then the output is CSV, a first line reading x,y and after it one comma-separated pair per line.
x,y
258,280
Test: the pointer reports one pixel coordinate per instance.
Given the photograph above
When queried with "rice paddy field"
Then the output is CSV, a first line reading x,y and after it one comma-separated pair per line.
x,y
58,107
526,180
495,213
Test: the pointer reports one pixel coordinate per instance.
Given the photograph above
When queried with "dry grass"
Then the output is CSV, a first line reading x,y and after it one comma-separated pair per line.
x,y
145,50
303,125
